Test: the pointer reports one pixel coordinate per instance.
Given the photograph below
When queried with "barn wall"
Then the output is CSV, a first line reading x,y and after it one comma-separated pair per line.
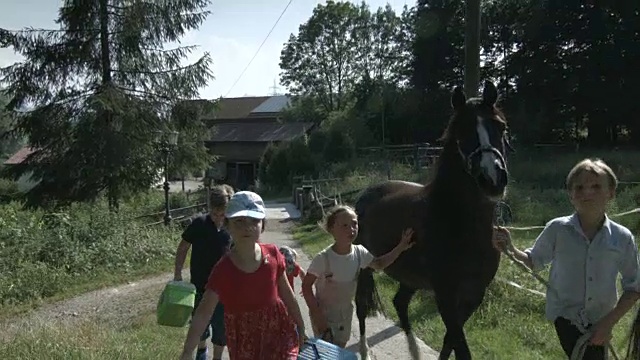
x,y
232,152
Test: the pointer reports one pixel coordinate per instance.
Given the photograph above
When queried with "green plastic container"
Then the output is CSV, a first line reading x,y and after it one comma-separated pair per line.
x,y
176,304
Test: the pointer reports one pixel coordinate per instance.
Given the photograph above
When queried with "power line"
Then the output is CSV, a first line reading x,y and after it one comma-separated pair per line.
x,y
260,47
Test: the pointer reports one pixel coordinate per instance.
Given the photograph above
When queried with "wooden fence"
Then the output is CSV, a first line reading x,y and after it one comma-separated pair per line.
x,y
179,215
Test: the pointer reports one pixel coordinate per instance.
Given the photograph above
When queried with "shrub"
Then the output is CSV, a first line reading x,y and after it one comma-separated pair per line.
x,y
42,253
9,190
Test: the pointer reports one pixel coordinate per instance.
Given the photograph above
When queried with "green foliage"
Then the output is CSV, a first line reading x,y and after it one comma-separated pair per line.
x,y
403,68
9,191
287,159
304,109
191,155
340,45
88,94
9,142
41,252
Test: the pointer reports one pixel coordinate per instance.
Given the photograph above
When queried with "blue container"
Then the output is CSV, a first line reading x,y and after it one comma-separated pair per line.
x,y
318,349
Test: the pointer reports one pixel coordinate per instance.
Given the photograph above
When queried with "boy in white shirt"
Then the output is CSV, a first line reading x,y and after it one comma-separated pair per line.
x,y
587,251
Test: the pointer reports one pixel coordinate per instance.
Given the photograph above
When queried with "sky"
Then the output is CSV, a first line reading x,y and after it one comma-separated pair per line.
x,y
231,34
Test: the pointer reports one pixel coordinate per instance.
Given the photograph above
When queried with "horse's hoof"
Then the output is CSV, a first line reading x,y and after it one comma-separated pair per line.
x,y
364,350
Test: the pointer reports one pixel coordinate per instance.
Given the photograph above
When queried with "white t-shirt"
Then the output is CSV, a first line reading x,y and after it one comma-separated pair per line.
x,y
343,267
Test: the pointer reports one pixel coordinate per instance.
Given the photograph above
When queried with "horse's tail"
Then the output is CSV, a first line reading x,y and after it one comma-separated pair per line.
x,y
367,297
633,349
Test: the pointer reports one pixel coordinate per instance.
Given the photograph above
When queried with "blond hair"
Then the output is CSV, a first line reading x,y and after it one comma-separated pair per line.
x,y
595,166
330,219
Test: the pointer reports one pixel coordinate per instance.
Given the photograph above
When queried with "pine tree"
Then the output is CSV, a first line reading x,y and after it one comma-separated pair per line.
x,y
91,96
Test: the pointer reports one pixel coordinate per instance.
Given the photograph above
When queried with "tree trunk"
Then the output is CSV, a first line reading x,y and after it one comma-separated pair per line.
x,y
105,55
472,48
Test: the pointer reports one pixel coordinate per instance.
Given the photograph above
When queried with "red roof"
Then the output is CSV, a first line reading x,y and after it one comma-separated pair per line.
x,y
19,156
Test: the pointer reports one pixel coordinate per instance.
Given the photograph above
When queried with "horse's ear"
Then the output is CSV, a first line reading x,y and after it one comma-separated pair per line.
x,y
458,99
507,142
489,93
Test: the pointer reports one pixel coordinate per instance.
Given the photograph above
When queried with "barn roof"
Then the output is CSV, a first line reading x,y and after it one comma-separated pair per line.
x,y
248,107
236,108
19,156
258,132
274,104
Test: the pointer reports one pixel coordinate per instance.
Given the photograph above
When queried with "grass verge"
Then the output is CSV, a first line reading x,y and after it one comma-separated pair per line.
x,y
141,338
47,256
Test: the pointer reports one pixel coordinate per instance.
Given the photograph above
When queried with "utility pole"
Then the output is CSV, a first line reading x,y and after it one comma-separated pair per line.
x,y
384,143
274,88
472,48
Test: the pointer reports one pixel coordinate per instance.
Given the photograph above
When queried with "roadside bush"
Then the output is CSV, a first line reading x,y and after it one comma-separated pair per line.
x,y
286,160
43,253
9,190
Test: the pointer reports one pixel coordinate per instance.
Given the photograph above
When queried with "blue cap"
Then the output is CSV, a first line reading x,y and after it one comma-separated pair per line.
x,y
245,203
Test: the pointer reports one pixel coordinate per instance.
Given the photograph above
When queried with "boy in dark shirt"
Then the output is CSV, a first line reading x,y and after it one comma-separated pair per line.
x,y
209,243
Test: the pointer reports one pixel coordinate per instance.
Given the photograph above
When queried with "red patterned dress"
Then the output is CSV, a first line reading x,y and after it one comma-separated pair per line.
x,y
256,321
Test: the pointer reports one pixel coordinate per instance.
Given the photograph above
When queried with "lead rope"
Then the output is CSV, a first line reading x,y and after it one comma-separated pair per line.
x,y
582,343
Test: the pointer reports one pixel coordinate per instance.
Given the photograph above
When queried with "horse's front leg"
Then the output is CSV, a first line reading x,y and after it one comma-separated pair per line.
x,y
454,338
401,302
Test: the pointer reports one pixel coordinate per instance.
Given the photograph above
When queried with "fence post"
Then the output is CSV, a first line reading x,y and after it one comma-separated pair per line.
x,y
416,156
306,197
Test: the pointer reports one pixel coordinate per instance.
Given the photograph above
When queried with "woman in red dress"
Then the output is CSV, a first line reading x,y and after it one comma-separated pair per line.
x,y
251,283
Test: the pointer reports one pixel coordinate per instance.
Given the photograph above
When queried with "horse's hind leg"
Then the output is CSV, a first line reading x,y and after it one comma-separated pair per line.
x,y
401,302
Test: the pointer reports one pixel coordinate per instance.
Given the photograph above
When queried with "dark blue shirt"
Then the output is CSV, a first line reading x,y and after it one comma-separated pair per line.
x,y
208,245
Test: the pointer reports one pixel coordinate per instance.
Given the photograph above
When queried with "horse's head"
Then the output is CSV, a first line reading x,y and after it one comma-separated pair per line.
x,y
479,130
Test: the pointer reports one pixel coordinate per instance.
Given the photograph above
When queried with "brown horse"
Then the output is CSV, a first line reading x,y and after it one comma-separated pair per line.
x,y
452,218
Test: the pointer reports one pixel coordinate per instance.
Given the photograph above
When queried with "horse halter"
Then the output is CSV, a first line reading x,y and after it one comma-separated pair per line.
x,y
482,149
479,150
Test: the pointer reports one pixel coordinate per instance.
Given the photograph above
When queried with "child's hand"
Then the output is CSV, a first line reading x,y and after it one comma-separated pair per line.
x,y
318,320
502,239
302,337
407,239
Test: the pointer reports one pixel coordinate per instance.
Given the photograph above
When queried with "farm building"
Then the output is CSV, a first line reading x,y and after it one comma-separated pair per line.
x,y
242,128
25,182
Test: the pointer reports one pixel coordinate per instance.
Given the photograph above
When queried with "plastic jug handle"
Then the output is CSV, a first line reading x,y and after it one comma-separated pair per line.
x,y
314,347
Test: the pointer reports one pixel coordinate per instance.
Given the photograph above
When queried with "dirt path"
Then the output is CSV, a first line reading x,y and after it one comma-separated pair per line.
x,y
117,305
114,305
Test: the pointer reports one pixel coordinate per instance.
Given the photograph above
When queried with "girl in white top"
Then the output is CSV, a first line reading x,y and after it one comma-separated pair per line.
x,y
334,271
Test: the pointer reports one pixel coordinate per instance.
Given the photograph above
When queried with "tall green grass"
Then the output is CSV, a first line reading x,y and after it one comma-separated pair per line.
x,y
47,255
139,339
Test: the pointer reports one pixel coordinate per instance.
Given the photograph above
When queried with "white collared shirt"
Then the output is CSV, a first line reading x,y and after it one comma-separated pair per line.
x,y
583,273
